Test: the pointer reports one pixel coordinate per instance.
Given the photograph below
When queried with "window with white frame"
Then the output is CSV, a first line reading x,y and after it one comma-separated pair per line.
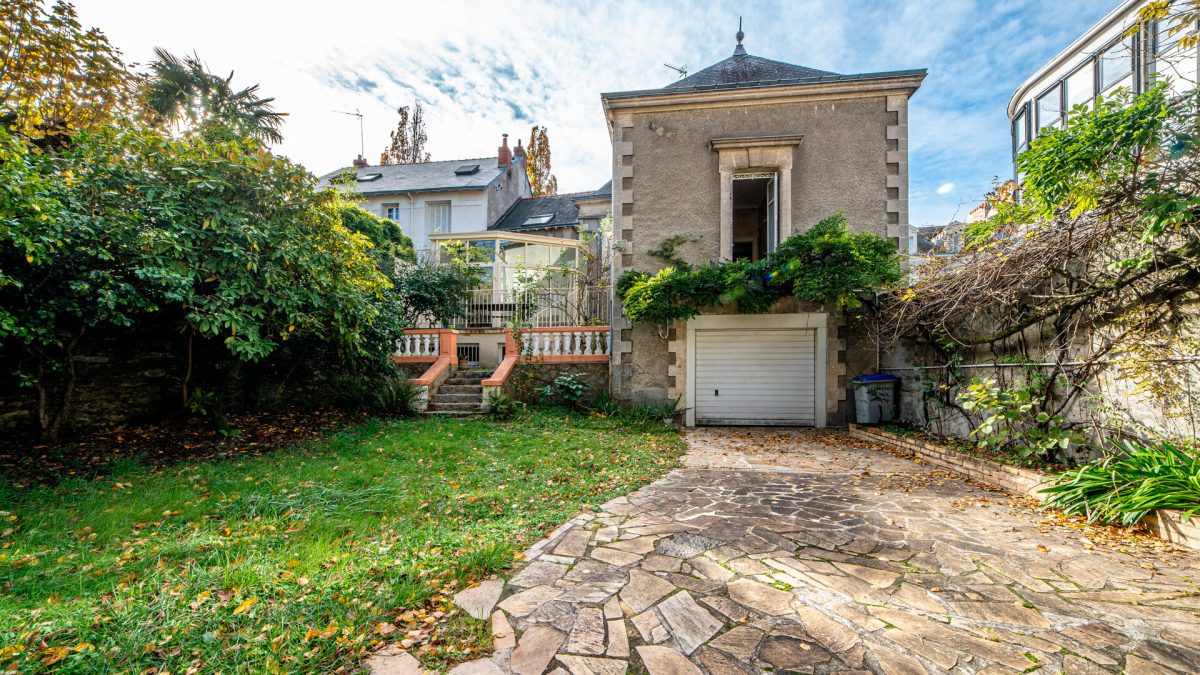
x,y
1116,66
1173,63
392,212
1050,108
1081,87
437,217
1020,133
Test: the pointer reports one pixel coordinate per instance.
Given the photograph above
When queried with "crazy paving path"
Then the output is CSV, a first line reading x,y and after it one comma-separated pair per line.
x,y
785,552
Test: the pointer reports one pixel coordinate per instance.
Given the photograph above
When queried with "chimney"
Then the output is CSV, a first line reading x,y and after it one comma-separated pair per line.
x,y
519,151
361,162
505,155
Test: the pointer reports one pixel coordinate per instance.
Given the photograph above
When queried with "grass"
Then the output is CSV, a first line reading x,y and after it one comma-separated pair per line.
x,y
304,559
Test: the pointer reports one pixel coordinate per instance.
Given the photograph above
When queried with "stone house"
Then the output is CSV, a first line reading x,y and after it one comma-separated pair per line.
x,y
731,160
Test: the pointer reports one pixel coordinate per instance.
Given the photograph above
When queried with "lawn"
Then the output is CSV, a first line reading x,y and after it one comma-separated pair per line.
x,y
305,559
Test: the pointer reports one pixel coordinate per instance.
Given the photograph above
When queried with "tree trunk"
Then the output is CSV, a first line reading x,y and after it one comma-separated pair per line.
x,y
64,408
220,405
185,389
43,416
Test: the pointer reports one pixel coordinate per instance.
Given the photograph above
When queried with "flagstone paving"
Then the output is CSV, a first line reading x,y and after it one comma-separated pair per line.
x,y
786,551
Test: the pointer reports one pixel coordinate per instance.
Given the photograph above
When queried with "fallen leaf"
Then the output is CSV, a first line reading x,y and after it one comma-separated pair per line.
x,y
245,606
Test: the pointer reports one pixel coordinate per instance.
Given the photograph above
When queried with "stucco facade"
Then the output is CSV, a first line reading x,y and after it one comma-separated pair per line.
x,y
838,145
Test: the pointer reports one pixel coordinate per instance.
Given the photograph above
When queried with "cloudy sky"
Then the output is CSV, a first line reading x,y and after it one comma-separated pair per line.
x,y
481,69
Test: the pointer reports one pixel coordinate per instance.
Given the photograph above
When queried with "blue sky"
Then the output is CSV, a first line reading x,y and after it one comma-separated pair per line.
x,y
484,68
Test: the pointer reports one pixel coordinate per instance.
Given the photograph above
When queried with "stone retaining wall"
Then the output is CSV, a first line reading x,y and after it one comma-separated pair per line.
x,y
1014,479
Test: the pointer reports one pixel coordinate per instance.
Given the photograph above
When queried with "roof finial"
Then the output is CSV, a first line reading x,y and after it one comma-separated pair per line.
x,y
739,50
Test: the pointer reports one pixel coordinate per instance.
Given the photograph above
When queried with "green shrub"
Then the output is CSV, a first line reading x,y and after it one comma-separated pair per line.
x,y
640,413
1014,421
1125,487
826,264
570,387
501,406
387,396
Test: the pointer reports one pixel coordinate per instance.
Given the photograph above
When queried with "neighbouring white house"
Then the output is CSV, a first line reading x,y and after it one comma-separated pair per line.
x,y
1104,59
446,197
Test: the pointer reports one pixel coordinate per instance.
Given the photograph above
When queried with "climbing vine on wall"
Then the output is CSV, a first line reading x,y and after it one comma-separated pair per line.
x,y
826,264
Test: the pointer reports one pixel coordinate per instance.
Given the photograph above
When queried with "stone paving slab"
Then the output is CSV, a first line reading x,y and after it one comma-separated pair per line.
x,y
779,550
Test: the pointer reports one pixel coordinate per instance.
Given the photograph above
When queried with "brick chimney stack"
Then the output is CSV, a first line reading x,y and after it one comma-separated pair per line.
x,y
360,162
505,154
519,151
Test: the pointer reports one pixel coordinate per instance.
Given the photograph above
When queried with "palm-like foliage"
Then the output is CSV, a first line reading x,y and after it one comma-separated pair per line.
x,y
183,91
1127,486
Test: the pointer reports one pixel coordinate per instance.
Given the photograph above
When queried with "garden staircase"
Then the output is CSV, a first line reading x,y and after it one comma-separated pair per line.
x,y
461,395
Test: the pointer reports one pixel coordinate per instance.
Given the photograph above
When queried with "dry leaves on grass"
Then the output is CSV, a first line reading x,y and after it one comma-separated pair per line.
x,y
163,444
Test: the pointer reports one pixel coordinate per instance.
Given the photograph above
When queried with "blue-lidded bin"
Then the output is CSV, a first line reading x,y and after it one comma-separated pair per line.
x,y
875,398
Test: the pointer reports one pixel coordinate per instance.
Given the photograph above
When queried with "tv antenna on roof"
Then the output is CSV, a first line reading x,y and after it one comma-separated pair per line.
x,y
361,145
682,70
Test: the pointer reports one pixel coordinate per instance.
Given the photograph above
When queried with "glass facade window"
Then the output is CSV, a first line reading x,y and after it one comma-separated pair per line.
x,y
537,255
508,264
1164,41
1173,63
392,212
1020,133
437,217
1050,108
1081,87
1116,66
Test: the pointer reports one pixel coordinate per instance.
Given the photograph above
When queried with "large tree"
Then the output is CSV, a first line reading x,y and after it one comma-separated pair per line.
x,y
55,76
408,140
183,91
541,181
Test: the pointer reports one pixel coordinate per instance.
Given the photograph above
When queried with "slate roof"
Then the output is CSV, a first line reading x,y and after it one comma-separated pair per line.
x,y
562,207
746,71
423,177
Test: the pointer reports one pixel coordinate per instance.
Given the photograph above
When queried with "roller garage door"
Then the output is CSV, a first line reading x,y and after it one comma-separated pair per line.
x,y
756,376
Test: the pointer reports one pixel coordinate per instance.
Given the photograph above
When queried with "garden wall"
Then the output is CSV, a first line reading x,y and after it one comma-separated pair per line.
x,y
136,377
1170,409
528,378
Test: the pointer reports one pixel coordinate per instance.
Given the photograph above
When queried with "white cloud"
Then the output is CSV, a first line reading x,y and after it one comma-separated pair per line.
x,y
484,68
945,188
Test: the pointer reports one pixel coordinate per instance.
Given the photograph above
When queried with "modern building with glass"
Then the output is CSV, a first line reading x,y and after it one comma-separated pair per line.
x,y
1119,52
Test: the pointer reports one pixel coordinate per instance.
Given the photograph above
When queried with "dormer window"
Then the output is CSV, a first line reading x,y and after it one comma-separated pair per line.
x,y
368,177
540,219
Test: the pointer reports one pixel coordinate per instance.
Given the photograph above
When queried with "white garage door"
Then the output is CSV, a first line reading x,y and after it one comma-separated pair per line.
x,y
756,376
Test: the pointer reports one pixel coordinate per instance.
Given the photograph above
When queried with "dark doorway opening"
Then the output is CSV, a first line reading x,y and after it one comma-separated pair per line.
x,y
755,222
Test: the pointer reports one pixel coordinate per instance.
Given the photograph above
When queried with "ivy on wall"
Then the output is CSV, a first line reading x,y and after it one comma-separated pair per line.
x,y
826,264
